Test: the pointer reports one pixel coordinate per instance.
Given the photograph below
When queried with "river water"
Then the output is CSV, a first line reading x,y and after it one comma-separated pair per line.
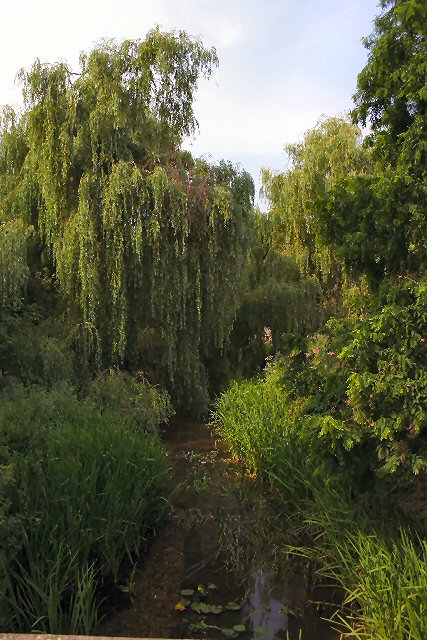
x,y
219,543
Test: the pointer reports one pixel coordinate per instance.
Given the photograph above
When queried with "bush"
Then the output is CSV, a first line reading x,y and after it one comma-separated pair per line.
x,y
133,397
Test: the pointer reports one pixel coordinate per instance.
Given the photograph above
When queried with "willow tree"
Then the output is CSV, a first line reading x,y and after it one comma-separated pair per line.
x,y
279,298
328,153
148,242
13,231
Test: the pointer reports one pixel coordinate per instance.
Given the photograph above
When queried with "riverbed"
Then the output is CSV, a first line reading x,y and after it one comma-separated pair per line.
x,y
212,568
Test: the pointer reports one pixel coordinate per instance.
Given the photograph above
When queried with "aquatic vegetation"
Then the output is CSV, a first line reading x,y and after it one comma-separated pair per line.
x,y
355,535
86,489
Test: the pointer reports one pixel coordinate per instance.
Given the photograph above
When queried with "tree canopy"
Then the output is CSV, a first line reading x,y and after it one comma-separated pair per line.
x,y
149,243
392,96
328,153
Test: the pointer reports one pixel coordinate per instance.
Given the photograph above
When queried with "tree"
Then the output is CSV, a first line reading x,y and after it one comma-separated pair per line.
x,y
328,153
392,97
149,243
279,297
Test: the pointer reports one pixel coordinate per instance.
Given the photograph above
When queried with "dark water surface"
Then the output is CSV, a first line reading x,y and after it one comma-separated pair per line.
x,y
217,545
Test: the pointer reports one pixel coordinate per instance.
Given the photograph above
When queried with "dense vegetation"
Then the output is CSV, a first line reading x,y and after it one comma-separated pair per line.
x,y
136,280
145,244
121,268
337,420
81,488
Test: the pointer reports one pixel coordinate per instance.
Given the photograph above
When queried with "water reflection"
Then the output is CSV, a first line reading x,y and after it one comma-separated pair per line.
x,y
265,607
203,541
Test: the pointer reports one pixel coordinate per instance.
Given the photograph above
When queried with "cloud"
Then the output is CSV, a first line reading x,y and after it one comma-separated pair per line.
x,y
282,62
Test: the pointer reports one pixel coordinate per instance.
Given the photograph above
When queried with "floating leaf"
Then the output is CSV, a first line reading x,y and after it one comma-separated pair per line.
x,y
196,606
239,628
260,630
216,609
233,606
229,633
187,592
205,608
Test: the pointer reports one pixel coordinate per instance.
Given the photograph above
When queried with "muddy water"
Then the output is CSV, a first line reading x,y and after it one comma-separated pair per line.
x,y
214,542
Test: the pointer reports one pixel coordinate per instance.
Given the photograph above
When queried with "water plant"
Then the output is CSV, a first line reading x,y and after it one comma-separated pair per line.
x,y
87,489
356,537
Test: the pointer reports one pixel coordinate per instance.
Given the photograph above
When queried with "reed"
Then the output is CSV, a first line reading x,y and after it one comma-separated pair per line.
x,y
351,535
87,491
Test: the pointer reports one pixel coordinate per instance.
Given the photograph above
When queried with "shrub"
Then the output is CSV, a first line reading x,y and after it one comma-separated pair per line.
x,y
144,405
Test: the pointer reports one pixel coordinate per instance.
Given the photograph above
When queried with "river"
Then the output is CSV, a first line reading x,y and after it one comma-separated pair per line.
x,y
218,545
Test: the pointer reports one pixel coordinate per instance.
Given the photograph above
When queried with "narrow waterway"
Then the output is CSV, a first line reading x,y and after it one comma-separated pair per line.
x,y
211,570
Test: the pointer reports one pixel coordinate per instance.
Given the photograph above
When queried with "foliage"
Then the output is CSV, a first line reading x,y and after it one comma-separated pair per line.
x,y
139,403
385,579
278,298
362,380
108,474
263,428
392,97
36,349
363,222
391,91
328,153
338,422
149,243
352,531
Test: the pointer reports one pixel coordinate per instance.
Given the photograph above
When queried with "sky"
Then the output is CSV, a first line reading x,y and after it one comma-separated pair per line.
x,y
283,63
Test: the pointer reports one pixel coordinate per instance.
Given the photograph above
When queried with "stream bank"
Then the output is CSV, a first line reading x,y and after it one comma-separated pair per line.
x,y
214,546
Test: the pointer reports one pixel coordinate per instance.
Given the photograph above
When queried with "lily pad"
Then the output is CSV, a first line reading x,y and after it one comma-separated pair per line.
x,y
239,628
260,630
187,592
196,606
216,609
204,608
233,606
229,633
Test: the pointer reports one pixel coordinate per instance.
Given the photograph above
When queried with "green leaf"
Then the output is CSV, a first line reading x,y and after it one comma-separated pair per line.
x,y
260,630
239,628
187,592
216,609
233,606
229,633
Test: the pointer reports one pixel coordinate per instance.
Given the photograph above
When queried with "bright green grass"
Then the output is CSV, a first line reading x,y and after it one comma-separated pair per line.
x,y
356,539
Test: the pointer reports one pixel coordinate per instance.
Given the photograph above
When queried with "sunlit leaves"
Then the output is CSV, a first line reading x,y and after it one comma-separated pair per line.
x,y
146,241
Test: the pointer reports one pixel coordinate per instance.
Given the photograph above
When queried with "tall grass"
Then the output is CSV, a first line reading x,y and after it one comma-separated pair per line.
x,y
87,489
356,538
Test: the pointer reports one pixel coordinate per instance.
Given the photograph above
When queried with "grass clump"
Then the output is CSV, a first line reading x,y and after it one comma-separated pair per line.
x,y
83,489
338,513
